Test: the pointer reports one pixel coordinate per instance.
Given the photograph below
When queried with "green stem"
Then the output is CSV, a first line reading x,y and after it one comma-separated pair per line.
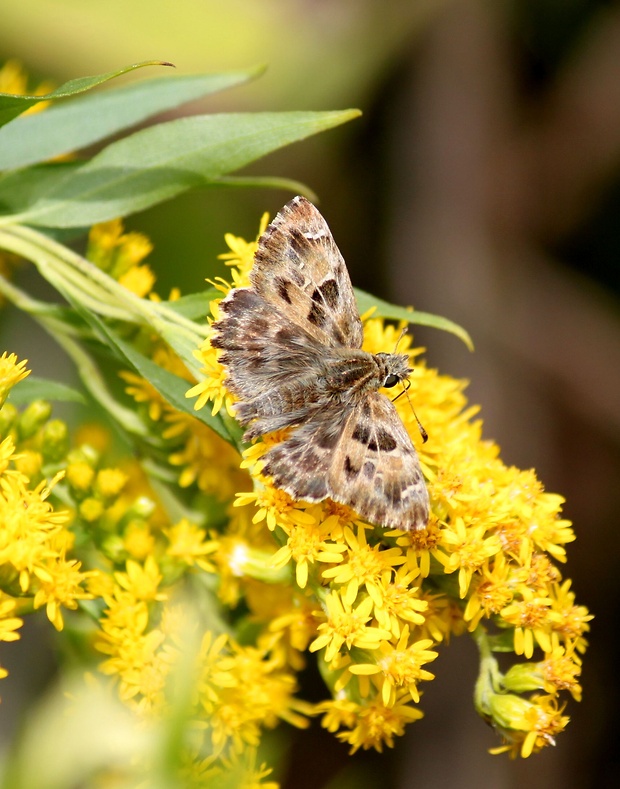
x,y
49,257
95,384
489,680
93,287
87,369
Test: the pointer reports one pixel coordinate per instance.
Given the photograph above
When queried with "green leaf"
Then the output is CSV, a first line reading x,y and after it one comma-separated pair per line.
x,y
386,310
169,385
195,305
72,126
20,189
12,105
33,388
157,163
268,182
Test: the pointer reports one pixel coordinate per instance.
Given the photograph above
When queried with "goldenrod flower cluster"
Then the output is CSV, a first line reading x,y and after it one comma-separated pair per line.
x,y
273,582
375,606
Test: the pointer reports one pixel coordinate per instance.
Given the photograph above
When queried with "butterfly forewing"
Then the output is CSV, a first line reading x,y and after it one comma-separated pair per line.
x,y
299,269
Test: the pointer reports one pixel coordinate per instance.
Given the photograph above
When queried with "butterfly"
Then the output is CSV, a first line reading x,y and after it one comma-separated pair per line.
x,y
291,345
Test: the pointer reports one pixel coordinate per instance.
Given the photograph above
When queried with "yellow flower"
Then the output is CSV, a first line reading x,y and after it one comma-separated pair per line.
x,y
560,670
239,770
527,726
138,540
437,617
306,545
11,372
568,620
110,482
530,618
298,621
364,566
400,666
491,593
135,654
30,525
138,280
91,509
276,508
206,459
80,476
213,385
338,712
144,392
189,544
59,585
371,724
420,546
468,549
348,626
538,573
141,581
9,624
240,690
241,254
7,454
29,463
400,600
119,254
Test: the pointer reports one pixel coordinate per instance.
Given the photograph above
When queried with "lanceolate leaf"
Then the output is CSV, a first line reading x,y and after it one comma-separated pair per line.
x,y
169,385
84,121
195,305
33,388
157,163
21,188
386,310
12,105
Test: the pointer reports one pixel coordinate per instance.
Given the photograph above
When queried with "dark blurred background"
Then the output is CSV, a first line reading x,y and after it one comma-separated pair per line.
x,y
483,184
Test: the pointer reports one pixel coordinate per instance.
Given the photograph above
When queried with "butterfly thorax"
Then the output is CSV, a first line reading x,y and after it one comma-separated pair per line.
x,y
343,377
349,373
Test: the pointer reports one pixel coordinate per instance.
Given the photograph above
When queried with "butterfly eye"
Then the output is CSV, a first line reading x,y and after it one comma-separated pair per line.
x,y
390,380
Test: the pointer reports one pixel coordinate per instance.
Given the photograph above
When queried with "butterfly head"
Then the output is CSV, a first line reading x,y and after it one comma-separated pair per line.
x,y
393,368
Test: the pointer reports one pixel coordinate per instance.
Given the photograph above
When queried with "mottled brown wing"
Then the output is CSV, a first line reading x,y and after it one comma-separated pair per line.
x,y
301,465
360,456
299,270
263,351
280,334
376,469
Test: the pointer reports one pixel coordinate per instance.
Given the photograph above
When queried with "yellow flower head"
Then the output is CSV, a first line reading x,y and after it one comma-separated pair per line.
x,y
11,372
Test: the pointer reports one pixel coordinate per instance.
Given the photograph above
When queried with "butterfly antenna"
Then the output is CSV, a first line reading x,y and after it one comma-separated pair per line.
x,y
405,391
403,331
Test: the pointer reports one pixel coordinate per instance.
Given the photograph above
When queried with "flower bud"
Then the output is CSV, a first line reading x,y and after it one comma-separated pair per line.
x,y
34,417
524,677
55,441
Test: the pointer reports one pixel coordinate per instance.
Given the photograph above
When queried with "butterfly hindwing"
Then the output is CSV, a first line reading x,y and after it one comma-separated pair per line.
x,y
301,464
361,456
376,470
